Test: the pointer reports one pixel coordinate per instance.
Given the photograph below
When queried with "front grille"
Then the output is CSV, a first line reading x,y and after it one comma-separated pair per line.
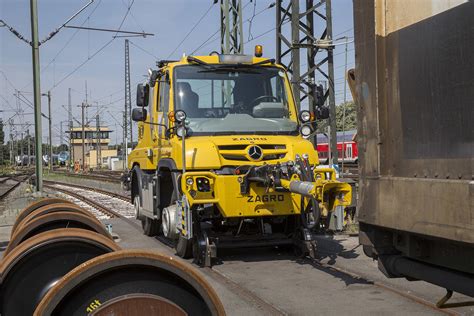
x,y
242,147
239,153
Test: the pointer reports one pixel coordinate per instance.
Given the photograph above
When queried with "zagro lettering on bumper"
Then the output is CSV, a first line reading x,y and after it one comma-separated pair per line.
x,y
265,198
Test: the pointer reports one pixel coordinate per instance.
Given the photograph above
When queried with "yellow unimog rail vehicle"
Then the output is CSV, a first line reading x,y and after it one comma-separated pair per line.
x,y
221,161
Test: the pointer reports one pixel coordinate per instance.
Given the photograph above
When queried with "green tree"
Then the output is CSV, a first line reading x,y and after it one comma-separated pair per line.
x,y
351,118
2,133
62,147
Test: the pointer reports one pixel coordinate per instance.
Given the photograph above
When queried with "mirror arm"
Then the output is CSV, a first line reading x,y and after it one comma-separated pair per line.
x,y
156,124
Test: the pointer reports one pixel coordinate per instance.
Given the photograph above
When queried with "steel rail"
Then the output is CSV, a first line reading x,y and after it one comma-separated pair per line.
x,y
13,187
97,190
386,287
96,205
90,176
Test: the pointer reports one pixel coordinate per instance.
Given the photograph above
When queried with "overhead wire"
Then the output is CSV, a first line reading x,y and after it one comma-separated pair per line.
x,y
134,18
71,38
250,20
346,31
97,51
192,29
143,50
207,41
210,39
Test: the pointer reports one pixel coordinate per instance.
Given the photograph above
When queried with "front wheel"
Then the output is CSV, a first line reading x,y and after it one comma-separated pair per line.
x,y
151,227
136,206
184,247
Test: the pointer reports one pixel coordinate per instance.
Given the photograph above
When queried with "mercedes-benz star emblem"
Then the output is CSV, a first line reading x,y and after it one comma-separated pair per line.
x,y
255,152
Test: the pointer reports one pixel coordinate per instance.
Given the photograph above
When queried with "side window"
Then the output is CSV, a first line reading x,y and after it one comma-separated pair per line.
x,y
163,99
277,88
151,92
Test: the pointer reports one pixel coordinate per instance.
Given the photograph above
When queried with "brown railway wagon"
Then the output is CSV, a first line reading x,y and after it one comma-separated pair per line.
x,y
415,89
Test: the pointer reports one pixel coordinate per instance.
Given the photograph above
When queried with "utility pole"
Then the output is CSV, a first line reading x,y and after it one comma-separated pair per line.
x,y
344,112
332,97
83,106
37,95
50,132
232,36
124,144
12,159
128,95
71,126
61,140
297,39
29,151
98,143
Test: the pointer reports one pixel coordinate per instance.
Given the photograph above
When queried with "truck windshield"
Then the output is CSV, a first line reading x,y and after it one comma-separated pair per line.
x,y
226,99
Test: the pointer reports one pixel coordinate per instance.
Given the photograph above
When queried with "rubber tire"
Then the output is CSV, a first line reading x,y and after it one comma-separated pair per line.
x,y
151,227
184,247
136,206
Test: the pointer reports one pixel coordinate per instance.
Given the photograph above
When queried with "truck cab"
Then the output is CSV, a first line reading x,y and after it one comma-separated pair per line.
x,y
221,160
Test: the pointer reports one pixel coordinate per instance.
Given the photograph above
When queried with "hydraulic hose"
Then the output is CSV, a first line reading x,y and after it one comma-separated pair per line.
x,y
306,175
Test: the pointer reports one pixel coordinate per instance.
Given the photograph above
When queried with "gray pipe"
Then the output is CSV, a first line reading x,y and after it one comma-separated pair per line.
x,y
302,187
450,279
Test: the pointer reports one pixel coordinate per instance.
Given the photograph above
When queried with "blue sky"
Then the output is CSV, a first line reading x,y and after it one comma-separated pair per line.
x,y
169,20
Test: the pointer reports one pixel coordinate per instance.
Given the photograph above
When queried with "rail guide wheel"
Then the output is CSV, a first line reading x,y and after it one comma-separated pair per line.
x,y
54,221
132,282
34,206
32,268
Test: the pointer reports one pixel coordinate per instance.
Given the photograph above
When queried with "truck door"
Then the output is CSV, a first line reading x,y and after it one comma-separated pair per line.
x,y
161,117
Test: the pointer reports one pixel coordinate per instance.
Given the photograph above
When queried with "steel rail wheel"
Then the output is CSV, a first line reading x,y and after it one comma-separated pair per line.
x,y
34,206
54,221
52,208
33,267
131,282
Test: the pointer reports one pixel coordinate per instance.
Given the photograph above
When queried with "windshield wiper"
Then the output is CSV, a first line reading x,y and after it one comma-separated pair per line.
x,y
263,62
195,60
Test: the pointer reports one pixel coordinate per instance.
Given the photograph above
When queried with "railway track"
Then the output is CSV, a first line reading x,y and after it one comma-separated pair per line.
x,y
98,177
79,192
11,187
104,203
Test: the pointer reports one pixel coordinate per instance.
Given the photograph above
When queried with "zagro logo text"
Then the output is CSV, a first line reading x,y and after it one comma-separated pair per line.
x,y
266,198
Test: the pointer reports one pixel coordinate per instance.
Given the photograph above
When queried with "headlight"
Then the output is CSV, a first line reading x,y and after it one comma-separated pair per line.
x,y
305,116
180,116
180,131
306,131
189,181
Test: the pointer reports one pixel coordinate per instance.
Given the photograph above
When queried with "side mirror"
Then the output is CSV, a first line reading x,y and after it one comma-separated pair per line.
x,y
321,112
318,95
142,95
139,114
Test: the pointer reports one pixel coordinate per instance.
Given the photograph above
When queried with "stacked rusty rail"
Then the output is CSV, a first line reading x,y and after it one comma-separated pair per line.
x,y
62,261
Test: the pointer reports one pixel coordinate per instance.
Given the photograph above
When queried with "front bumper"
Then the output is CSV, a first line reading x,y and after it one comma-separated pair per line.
x,y
225,192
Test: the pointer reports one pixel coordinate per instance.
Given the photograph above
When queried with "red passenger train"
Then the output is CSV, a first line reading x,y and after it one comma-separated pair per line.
x,y
347,139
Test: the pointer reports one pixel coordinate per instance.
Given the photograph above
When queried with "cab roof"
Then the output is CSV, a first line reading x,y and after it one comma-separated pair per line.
x,y
230,59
